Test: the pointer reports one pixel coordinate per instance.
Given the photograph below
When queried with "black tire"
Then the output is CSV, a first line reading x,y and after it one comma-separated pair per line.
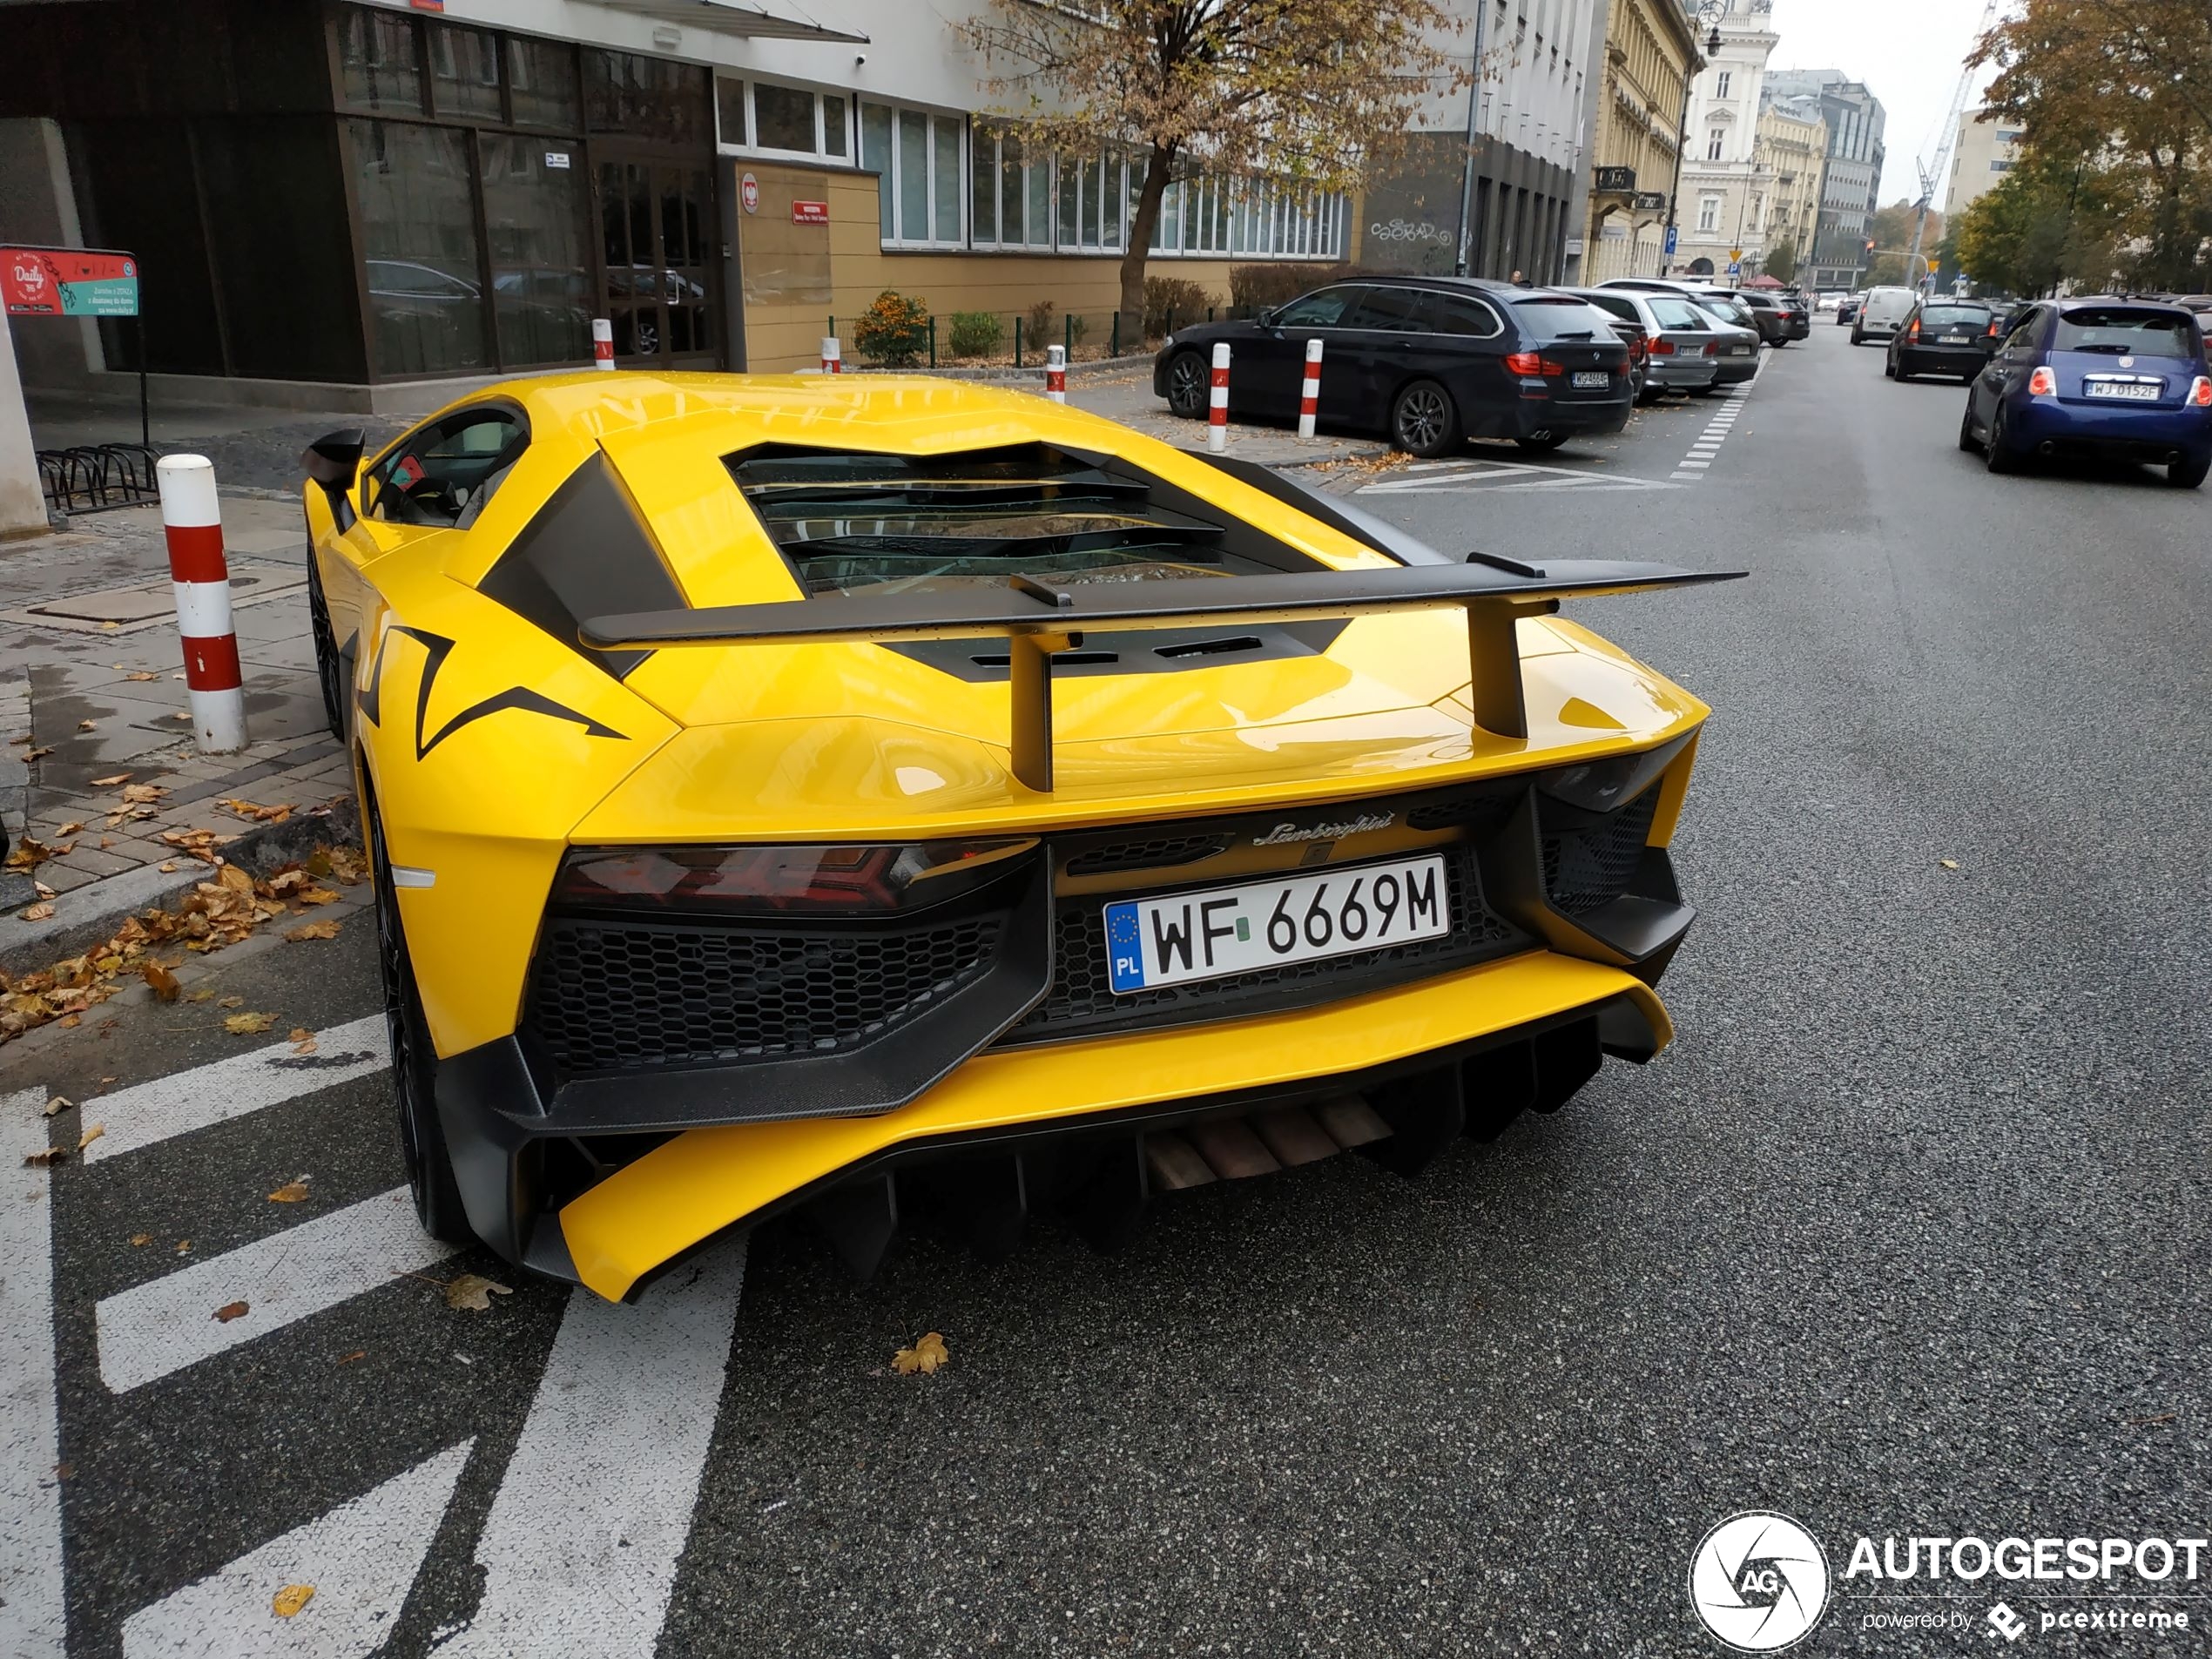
x,y
1997,453
415,1064
1967,442
1647,397
1700,391
1189,385
327,676
1424,421
2188,474
1857,339
1541,443
1889,368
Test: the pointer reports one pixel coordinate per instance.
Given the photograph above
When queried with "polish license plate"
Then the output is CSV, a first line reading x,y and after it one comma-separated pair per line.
x,y
1589,380
1954,340
1739,351
1268,924
2134,391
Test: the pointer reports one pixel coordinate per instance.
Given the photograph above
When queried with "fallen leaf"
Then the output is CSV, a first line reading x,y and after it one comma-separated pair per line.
x,y
290,1192
59,1105
348,1358
231,1310
289,1600
40,1160
138,1241
164,983
233,878
109,627
167,866
44,891
91,1135
184,1247
318,862
318,895
142,676
925,1357
247,1025
474,1292
88,725
313,930
107,841
201,995
33,754
38,912
67,829
231,1002
142,794
1948,864
70,1021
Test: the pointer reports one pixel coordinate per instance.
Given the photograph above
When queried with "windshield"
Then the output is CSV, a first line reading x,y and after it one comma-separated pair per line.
x,y
848,522
2120,328
1561,316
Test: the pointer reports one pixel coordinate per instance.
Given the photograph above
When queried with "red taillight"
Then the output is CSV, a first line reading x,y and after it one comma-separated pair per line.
x,y
1993,327
1913,333
1663,346
1636,349
2201,393
777,879
2042,383
1712,349
1524,362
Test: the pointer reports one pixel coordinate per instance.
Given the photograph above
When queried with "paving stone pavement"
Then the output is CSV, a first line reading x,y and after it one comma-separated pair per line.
x,y
92,699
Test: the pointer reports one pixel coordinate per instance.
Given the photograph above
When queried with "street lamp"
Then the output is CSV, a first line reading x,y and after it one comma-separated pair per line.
x,y
1709,12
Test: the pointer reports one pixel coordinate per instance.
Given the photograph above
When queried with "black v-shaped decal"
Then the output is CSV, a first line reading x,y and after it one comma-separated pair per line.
x,y
438,648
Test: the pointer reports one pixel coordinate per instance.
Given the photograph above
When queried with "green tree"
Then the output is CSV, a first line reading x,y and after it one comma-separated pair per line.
x,y
1781,262
1322,92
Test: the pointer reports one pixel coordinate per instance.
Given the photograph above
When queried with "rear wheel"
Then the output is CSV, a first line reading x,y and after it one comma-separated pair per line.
x,y
1967,442
2188,474
415,1065
1424,421
1999,454
1541,442
1189,385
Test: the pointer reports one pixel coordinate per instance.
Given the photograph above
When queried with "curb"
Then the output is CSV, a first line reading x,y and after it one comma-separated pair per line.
x,y
88,915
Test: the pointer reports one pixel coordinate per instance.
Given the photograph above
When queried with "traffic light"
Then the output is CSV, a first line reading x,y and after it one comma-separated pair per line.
x,y
1870,244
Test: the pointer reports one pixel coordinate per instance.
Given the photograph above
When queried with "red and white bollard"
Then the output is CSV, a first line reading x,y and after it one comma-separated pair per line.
x,y
193,522
1309,396
1055,373
603,343
833,355
1217,402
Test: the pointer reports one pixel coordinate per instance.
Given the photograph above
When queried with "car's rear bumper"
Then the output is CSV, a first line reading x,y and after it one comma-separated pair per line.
x,y
1527,415
682,1193
2060,427
1733,371
1939,360
1684,372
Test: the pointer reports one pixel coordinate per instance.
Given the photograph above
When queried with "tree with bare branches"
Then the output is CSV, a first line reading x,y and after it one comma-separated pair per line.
x,y
1321,92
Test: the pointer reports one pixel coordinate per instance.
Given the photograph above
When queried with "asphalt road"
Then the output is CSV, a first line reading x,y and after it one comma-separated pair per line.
x,y
1904,1235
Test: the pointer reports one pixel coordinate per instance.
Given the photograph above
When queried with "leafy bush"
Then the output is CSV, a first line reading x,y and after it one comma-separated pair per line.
x,y
894,331
975,333
1043,325
1180,296
1078,326
1262,287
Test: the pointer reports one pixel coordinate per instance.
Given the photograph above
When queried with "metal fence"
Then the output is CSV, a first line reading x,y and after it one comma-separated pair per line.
x,y
1019,339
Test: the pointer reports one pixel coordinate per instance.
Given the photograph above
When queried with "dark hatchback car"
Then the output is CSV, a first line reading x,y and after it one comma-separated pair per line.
x,y
1778,319
1944,337
2112,379
1431,360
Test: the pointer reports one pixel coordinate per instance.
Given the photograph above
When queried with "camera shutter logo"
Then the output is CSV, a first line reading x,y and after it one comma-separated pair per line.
x,y
1759,1582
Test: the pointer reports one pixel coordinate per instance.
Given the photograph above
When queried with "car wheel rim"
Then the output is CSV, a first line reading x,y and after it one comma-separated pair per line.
x,y
1420,419
1184,393
391,966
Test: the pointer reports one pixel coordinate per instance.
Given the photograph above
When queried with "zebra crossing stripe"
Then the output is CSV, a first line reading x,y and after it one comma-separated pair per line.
x,y
580,1550
162,1325
31,1610
149,1113
361,1558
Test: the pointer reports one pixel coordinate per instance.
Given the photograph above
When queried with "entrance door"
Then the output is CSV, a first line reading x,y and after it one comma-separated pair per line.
x,y
660,275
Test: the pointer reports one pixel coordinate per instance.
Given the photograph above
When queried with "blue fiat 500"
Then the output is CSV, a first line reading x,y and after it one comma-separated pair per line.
x,y
2116,380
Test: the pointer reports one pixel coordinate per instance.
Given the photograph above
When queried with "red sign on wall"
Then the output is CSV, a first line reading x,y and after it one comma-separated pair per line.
x,y
810,213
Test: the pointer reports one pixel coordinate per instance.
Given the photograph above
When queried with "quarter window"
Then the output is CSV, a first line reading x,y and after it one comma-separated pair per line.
x,y
1460,313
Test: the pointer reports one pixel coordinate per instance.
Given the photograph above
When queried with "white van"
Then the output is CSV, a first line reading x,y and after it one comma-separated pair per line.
x,y
1882,312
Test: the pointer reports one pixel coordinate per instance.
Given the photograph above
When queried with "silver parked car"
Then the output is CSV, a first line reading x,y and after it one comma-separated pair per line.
x,y
1739,332
1681,342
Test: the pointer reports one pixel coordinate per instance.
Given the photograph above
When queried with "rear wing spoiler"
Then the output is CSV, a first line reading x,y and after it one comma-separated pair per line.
x,y
1038,618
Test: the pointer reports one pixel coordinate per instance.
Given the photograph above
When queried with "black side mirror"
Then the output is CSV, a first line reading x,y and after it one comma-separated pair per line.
x,y
334,462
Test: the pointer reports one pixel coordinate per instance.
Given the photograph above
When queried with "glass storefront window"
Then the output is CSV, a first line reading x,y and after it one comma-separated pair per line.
x,y
1010,234
1041,202
783,118
647,97
875,155
376,60
464,73
1092,177
1069,176
418,221
833,126
543,291
728,111
984,190
541,82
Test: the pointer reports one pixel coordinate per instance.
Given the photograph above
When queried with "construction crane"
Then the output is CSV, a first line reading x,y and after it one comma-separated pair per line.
x,y
1931,172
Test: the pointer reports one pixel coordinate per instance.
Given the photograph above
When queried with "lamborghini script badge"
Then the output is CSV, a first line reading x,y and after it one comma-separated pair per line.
x,y
1284,834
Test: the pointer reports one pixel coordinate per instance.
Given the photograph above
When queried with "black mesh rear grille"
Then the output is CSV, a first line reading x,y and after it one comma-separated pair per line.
x,y
1156,853
1586,868
1081,1001
608,994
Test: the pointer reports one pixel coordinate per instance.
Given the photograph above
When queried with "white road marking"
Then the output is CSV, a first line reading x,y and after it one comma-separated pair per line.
x,y
1482,474
32,1614
361,1557
169,1323
580,1550
149,1113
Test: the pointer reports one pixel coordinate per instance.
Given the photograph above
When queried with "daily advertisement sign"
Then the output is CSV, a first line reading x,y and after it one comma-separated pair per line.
x,y
68,282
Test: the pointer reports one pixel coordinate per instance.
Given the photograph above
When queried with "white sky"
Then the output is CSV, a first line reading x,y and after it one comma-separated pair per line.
x,y
1909,52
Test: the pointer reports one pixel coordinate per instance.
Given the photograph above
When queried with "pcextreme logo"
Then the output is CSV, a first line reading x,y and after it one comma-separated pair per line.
x,y
1759,1582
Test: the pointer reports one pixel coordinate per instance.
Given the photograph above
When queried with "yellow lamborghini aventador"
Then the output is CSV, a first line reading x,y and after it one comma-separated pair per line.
x,y
873,793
